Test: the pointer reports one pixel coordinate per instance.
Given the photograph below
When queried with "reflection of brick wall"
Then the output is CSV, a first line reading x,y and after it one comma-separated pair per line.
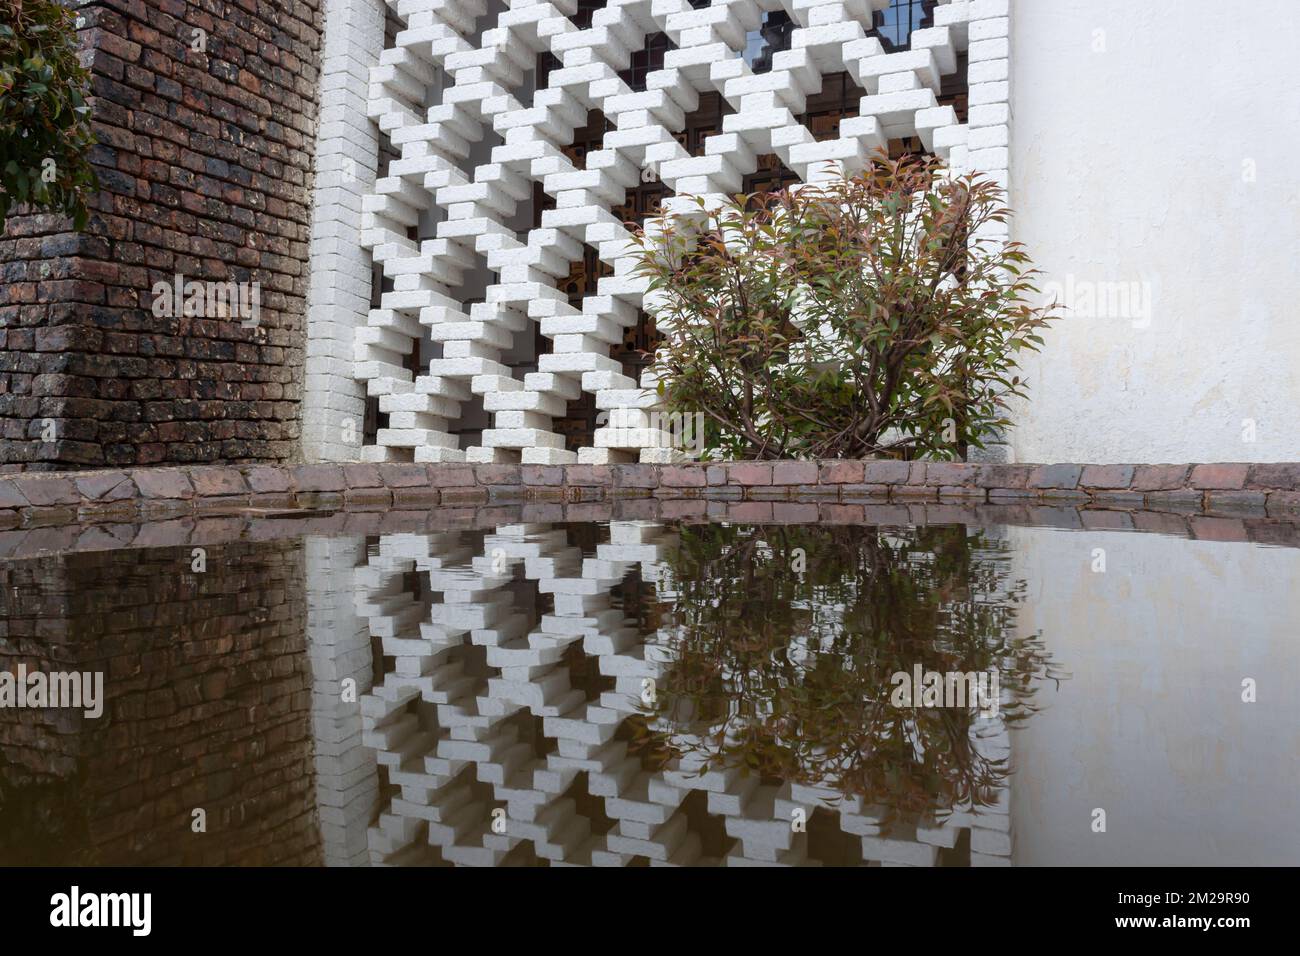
x,y
208,689
205,166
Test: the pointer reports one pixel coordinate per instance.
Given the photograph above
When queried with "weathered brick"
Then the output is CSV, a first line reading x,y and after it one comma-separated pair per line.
x,y
841,472
1274,477
682,476
498,474
794,473
105,486
885,472
1222,476
451,476
637,476
542,475
319,478
211,482
588,475
10,496
405,475
748,473
1055,476
44,491
1159,477
163,483
1107,476
362,476
268,480
950,473
1003,476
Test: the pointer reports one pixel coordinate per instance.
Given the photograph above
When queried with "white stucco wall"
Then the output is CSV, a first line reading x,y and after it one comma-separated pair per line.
x,y
1151,726
1155,142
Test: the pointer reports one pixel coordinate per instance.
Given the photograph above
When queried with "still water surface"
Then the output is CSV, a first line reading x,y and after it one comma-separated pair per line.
x,y
643,693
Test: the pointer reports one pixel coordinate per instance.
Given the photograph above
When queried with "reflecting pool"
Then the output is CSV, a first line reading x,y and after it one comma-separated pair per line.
x,y
638,692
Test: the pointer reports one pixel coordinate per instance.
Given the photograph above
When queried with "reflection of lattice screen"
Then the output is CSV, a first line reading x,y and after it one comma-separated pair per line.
x,y
480,667
450,222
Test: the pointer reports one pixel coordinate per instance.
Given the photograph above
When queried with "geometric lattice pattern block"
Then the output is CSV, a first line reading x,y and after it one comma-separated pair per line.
x,y
489,723
475,351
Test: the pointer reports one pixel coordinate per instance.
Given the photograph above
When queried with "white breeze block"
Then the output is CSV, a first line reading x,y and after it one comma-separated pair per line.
x,y
445,222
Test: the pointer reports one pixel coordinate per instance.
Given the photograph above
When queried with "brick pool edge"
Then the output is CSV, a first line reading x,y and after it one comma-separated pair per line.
x,y
27,499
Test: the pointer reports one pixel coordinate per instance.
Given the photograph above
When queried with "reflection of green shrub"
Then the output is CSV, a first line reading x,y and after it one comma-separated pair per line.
x,y
788,673
45,135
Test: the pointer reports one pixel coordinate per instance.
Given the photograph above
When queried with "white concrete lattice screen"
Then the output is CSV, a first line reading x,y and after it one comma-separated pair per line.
x,y
458,80
461,729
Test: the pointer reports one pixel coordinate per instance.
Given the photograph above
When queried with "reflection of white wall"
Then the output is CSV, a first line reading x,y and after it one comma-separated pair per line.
x,y
347,786
1128,165
1151,726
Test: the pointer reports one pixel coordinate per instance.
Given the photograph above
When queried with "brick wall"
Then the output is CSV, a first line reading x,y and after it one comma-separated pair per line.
x,y
205,167
208,704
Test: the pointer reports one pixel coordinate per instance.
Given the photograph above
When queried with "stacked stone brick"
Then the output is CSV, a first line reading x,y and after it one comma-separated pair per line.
x,y
208,694
205,114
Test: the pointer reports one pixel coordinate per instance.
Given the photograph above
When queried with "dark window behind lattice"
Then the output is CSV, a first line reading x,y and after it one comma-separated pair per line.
x,y
771,38
894,25
839,98
582,16
646,60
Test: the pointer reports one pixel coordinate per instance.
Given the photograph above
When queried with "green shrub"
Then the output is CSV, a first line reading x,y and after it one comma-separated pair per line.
x,y
45,135
860,317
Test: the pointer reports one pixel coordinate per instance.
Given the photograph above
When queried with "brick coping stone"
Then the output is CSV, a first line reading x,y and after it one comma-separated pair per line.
x,y
51,499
